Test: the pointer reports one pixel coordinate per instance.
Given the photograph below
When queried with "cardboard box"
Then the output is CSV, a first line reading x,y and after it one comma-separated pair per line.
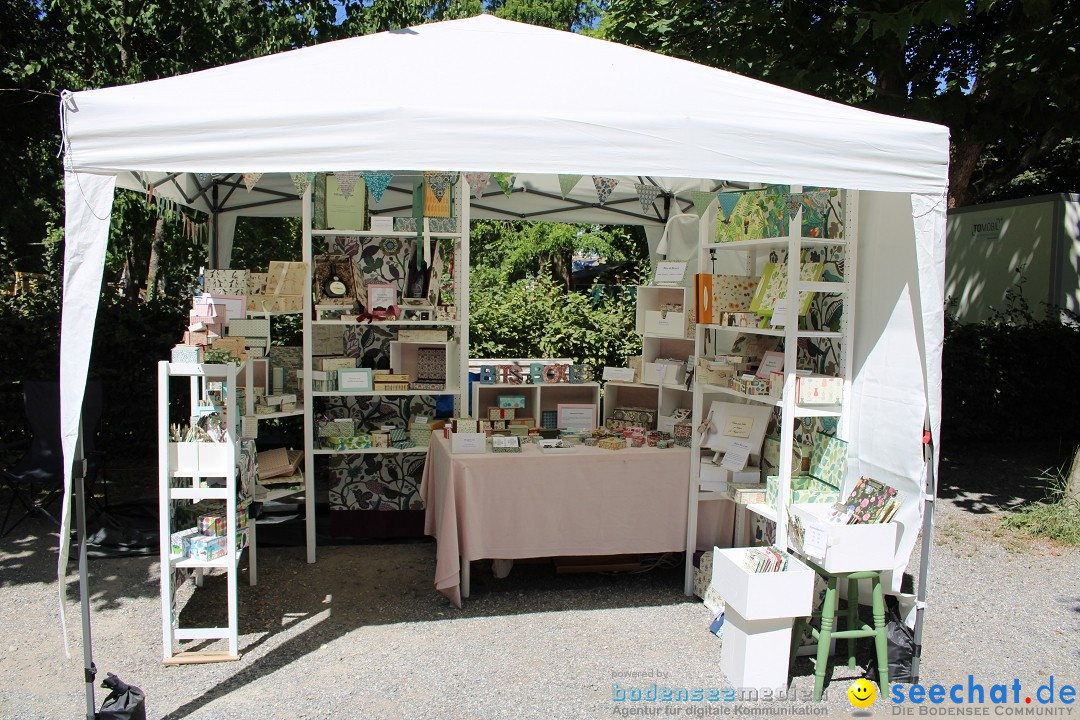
x,y
180,541
186,354
286,278
332,364
526,422
819,390
512,401
226,282
410,335
495,413
337,428
676,372
665,323
804,489
714,372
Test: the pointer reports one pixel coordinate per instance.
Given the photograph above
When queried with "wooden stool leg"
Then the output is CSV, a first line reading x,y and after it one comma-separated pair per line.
x,y
828,613
852,618
881,639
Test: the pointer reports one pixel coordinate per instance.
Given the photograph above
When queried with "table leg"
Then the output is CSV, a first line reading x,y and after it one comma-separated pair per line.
x,y
740,526
464,578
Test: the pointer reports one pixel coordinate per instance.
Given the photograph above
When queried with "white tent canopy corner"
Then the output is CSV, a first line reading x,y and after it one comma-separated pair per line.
x,y
287,113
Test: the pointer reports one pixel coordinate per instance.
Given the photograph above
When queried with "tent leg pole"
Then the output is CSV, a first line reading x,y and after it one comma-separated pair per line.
x,y
89,671
924,559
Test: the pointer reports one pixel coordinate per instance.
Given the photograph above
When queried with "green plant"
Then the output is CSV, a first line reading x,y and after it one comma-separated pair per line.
x,y
1057,517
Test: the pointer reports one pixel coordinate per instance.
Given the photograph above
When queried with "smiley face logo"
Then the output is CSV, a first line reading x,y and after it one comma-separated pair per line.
x,y
862,693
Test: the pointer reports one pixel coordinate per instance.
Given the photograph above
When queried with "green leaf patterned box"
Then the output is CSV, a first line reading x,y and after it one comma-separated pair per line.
x,y
828,462
804,489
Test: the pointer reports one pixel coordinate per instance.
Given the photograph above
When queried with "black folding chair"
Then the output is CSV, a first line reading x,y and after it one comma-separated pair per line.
x,y
41,469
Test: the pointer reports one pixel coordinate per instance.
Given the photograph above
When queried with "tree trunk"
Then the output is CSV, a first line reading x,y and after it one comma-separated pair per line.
x,y
1072,489
155,281
964,158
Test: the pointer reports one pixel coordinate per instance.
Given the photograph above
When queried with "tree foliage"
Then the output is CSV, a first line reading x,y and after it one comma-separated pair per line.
x,y
1001,74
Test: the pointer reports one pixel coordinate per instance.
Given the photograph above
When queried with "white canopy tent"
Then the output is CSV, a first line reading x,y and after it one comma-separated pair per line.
x,y
638,116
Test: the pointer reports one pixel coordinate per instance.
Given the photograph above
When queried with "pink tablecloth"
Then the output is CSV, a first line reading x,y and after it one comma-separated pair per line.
x,y
589,502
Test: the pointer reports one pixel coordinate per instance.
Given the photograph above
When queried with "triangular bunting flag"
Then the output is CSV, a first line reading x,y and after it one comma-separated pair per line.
x,y
505,181
727,202
347,183
301,181
702,200
647,195
477,183
604,186
567,183
204,178
250,179
794,203
377,182
438,182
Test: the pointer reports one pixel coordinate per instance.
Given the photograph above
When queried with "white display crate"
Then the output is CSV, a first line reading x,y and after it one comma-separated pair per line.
x,y
762,596
847,548
755,653
202,459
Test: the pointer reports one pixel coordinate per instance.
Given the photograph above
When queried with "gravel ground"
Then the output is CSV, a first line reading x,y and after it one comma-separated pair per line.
x,y
363,634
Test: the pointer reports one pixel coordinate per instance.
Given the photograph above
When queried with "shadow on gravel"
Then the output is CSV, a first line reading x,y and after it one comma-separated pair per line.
x,y
990,477
354,587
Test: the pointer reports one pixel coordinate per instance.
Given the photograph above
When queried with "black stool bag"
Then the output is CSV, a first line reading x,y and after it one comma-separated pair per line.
x,y
125,702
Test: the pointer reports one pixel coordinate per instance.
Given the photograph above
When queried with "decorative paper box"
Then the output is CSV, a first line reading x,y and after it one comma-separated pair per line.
x,y
613,443
431,364
512,401
526,422
505,445
468,443
255,328
841,548
739,319
731,293
465,425
226,282
348,442
180,541
212,525
518,430
747,494
186,354
391,386
828,461
387,376
644,417
714,372
684,434
204,548
256,283
320,381
770,456
196,337
653,438
380,439
717,478
332,364
549,419
337,428
755,386
422,335
495,413
420,432
278,303
286,278
818,390
804,489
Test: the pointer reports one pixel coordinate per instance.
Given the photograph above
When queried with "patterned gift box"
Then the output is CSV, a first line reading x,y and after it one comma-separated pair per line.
x,y
714,372
391,386
804,489
739,319
422,335
654,437
333,364
380,439
519,430
431,365
179,541
348,442
495,413
613,443
512,401
747,494
186,354
420,432
427,386
731,293
337,428
499,424
204,548
286,278
770,456
819,390
277,303
684,434
226,282
465,425
255,328
257,283
747,386
212,525
646,417
665,444
438,225
828,461
523,422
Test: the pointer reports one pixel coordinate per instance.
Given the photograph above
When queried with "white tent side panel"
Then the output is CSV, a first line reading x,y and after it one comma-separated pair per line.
x,y
88,206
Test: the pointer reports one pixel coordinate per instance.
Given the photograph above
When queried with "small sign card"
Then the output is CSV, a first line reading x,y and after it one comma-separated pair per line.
x,y
779,313
619,374
773,361
737,456
816,541
669,272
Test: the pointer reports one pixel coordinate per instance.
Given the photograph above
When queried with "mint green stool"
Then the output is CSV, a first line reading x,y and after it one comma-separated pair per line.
x,y
854,630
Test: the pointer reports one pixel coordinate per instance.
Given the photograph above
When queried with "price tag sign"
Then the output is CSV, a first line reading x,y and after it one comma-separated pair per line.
x,y
737,456
816,540
669,272
779,313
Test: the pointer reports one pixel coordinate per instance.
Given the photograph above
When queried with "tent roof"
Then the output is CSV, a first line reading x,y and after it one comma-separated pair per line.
x,y
485,94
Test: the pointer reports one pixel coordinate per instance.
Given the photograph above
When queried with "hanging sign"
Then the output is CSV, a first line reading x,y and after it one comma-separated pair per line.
x,y
671,271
